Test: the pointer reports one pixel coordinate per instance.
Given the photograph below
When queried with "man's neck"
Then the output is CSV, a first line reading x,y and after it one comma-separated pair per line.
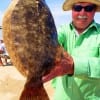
x,y
80,30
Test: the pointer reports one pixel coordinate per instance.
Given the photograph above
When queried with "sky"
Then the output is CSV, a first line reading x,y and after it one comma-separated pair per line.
x,y
60,16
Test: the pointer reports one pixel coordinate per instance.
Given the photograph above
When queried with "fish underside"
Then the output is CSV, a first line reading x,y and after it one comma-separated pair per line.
x,y
30,37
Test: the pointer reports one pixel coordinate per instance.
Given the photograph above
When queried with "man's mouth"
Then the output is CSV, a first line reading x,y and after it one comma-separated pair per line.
x,y
82,17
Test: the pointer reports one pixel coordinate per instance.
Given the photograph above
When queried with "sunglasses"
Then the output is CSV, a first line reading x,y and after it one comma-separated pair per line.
x,y
88,8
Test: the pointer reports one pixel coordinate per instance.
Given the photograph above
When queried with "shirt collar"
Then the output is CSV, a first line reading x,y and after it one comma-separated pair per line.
x,y
93,24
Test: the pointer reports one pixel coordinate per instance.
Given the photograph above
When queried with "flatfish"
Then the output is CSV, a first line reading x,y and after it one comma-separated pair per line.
x,y
30,36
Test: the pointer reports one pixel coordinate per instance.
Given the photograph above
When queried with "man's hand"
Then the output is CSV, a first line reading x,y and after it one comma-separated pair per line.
x,y
62,67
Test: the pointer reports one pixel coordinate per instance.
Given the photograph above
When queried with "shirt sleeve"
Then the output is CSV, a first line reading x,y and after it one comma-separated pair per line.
x,y
61,37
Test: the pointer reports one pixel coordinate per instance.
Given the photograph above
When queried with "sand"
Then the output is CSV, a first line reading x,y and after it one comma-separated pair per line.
x,y
12,83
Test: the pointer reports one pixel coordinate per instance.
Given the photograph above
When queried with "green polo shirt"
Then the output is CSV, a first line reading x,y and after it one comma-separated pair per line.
x,y
85,50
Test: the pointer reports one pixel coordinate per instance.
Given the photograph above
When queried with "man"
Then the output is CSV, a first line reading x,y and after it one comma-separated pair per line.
x,y
1,52
1,63
78,74
4,53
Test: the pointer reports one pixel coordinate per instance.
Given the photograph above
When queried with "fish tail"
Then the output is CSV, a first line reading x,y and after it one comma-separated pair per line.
x,y
34,93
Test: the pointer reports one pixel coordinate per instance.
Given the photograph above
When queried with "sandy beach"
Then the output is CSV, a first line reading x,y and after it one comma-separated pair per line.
x,y
12,83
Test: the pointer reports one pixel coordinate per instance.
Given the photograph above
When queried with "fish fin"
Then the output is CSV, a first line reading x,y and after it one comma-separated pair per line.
x,y
34,93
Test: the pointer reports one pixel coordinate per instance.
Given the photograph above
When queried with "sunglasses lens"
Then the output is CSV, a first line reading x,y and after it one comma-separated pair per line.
x,y
77,8
88,8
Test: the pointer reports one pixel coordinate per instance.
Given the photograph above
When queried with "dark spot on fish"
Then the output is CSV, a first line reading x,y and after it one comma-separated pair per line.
x,y
48,63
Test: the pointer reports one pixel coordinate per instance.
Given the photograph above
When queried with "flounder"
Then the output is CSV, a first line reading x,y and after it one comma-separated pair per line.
x,y
30,37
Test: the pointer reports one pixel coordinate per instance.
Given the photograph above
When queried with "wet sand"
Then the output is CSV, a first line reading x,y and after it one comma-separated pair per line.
x,y
12,83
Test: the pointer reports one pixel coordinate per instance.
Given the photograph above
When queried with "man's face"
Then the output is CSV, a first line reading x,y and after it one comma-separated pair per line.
x,y
82,17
